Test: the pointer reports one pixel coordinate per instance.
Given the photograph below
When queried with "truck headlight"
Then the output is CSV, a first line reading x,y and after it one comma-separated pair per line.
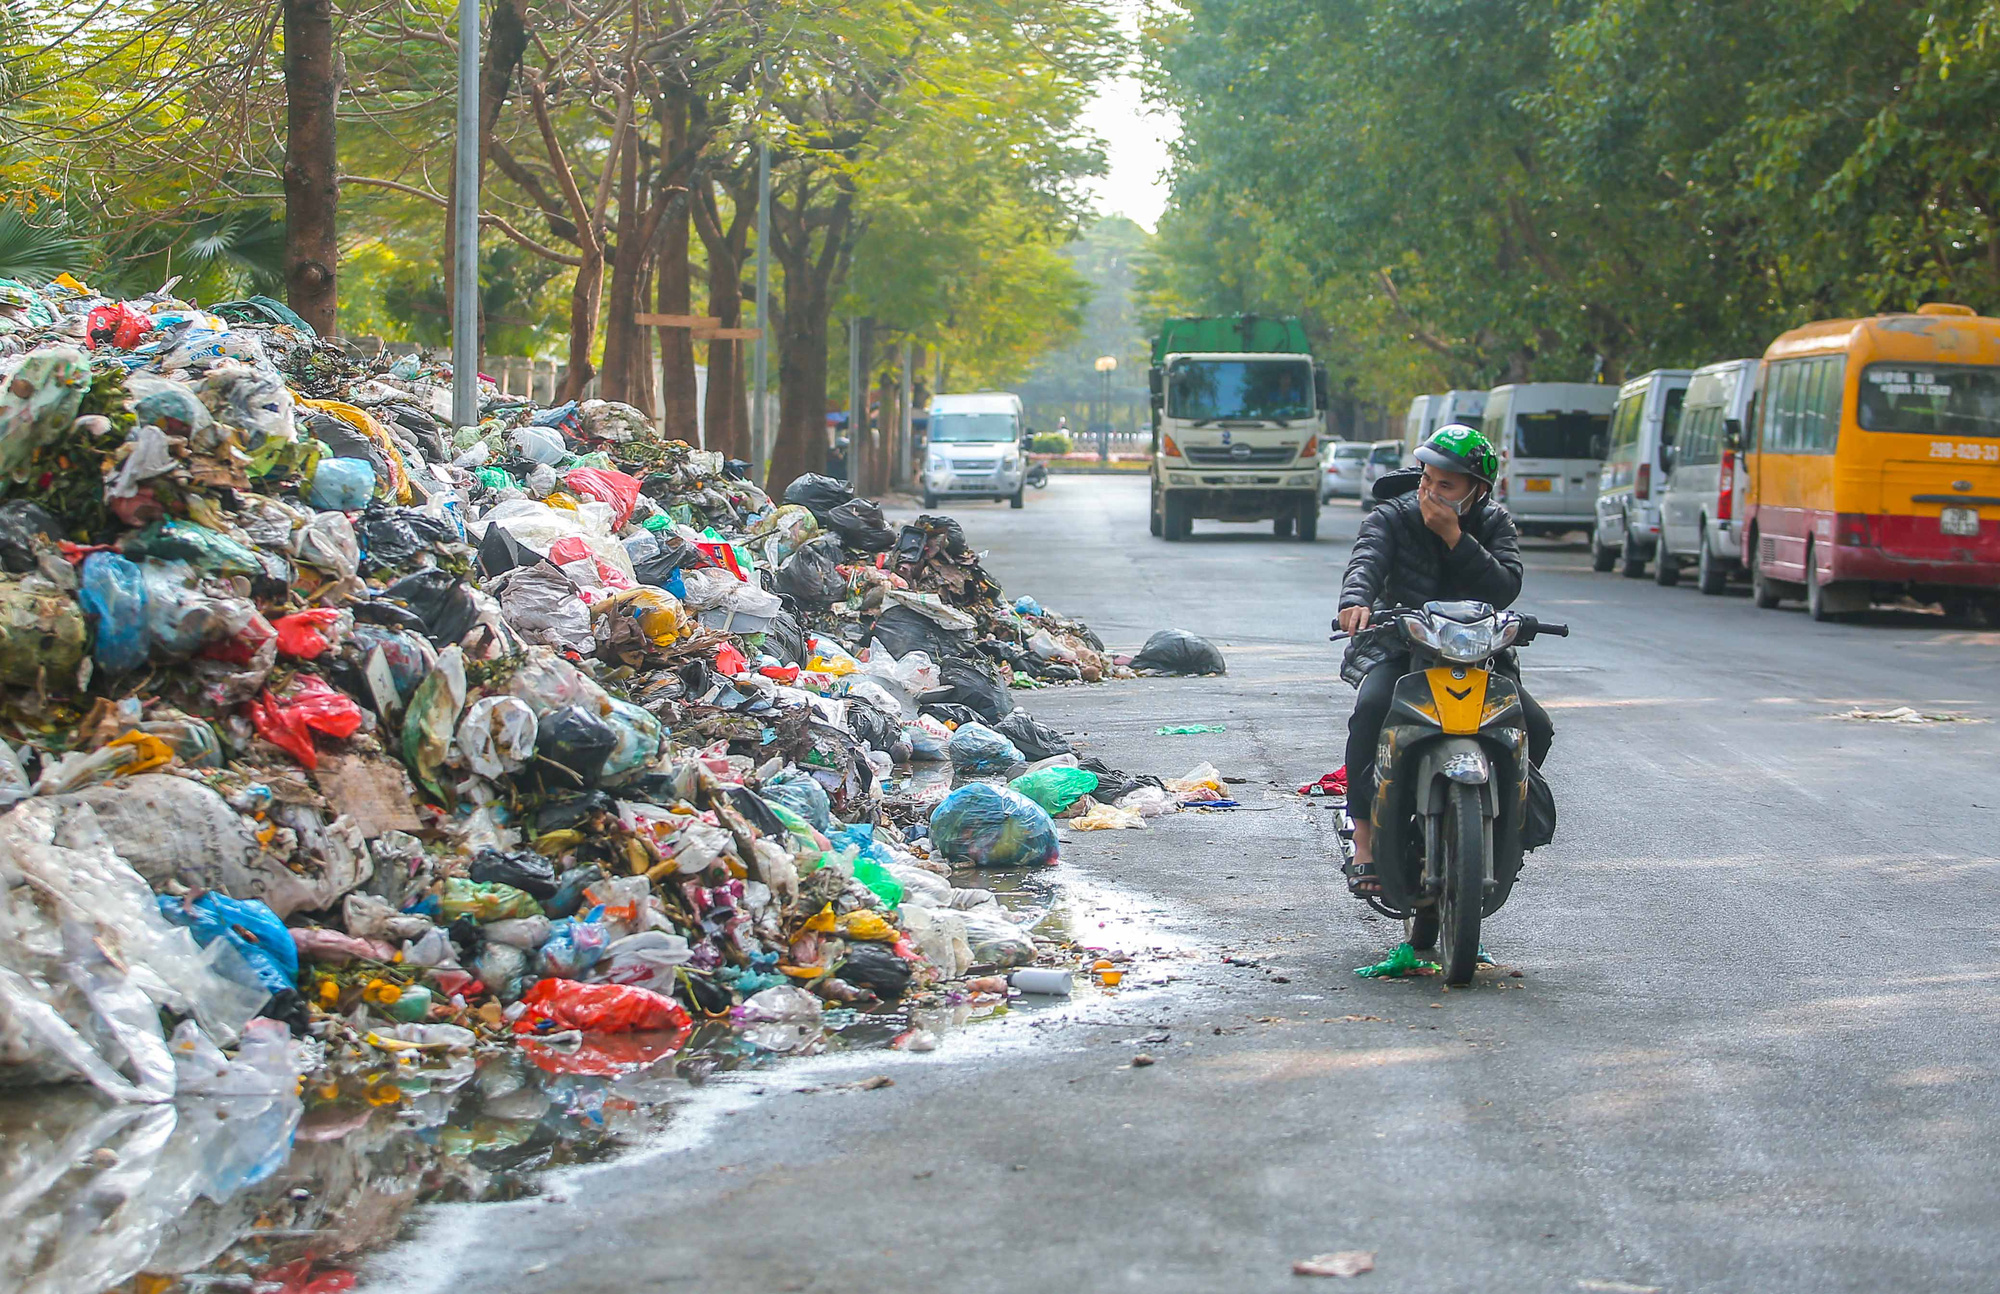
x,y
1009,462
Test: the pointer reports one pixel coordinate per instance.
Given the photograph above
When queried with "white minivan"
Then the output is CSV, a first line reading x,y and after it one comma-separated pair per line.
x,y
1628,504
1705,477
1429,412
1550,437
974,448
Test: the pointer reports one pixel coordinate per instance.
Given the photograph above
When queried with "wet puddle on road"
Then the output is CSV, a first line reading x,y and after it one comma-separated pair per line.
x,y
272,1196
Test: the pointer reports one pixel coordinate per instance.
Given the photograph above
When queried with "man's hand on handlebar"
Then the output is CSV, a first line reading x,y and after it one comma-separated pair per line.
x,y
1353,619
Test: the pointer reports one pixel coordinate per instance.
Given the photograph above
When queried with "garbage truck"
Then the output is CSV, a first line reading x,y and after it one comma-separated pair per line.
x,y
1238,411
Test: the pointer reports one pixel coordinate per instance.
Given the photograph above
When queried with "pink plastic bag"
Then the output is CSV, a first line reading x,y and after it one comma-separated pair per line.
x,y
554,1004
311,706
605,486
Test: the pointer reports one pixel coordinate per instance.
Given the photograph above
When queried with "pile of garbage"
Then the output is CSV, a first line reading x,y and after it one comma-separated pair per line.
x,y
415,738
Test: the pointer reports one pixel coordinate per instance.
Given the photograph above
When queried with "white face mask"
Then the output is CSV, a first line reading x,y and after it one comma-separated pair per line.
x,y
1461,507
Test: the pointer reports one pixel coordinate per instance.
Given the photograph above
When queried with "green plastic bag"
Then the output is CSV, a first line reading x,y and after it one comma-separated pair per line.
x,y
1404,961
886,887
1056,787
485,902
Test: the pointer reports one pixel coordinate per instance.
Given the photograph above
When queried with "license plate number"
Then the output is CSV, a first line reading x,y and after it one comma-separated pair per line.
x,y
1959,521
1537,484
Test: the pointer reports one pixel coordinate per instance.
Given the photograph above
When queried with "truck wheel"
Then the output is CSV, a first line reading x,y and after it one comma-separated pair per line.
x,y
1281,525
1015,500
1308,523
1602,556
930,500
1631,562
1174,520
1816,605
1153,512
1764,590
1667,571
1711,576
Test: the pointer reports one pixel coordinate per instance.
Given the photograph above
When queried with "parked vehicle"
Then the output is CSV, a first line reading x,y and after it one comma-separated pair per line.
x,y
1628,506
974,448
1237,409
1452,800
1875,467
1340,470
1704,477
1551,437
1429,412
1384,456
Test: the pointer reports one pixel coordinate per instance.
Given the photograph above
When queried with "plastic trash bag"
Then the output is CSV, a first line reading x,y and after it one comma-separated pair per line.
x,y
659,615
311,705
1057,787
902,631
342,484
811,575
877,968
861,526
504,968
779,1019
991,826
1176,651
38,404
41,631
996,941
647,959
940,936
524,869
113,595
613,488
26,531
962,680
464,897
637,745
1150,802
784,531
310,634
927,739
541,604
1033,740
554,1005
497,735
432,717
539,444
184,615
801,793
1107,817
439,600
525,933
13,781
572,950
909,676
818,494
252,927
976,748
328,543
571,747
1538,828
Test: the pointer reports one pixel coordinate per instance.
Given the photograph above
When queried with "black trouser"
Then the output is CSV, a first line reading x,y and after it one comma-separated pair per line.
x,y
1371,707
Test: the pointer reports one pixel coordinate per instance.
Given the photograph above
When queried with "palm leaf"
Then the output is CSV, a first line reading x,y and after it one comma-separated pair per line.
x,y
36,253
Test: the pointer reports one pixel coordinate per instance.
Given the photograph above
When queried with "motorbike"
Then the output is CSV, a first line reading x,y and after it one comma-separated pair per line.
x,y
1457,800
1038,475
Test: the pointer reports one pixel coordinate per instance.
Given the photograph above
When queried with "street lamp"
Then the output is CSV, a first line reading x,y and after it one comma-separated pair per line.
x,y
1106,366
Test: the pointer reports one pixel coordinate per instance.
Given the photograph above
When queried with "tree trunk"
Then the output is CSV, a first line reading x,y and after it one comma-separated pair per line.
x,y
676,295
800,442
312,168
629,263
724,408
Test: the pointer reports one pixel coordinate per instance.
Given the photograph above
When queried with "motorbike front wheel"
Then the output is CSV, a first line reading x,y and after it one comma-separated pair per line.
x,y
1463,840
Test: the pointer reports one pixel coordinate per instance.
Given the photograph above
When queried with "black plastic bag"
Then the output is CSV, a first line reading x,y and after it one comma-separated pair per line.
x,y
561,815
1539,828
524,869
872,728
571,746
818,494
440,601
500,552
1176,651
876,968
25,528
347,441
568,899
969,682
861,526
903,630
393,537
946,712
811,575
784,639
1035,741
660,558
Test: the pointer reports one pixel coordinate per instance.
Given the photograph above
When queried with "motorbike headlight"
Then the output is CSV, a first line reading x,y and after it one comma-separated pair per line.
x,y
1470,644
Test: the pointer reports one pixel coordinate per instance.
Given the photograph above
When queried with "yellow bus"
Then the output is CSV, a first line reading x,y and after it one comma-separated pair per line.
x,y
1873,463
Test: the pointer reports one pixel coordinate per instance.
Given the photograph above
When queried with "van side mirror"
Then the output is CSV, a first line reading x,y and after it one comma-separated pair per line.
x,y
1598,444
1322,394
1667,460
1732,433
1155,381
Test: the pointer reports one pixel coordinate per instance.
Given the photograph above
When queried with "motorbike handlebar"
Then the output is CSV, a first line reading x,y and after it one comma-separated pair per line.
x,y
1531,627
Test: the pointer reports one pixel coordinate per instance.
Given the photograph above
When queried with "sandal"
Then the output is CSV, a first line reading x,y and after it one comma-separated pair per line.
x,y
1362,882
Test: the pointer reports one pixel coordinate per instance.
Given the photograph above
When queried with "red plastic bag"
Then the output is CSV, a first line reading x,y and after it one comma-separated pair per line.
x,y
312,706
554,1004
300,635
730,661
119,325
605,486
244,648
1334,783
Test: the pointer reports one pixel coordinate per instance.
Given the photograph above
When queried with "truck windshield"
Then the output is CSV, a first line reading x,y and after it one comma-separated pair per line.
x,y
1211,390
1559,435
958,428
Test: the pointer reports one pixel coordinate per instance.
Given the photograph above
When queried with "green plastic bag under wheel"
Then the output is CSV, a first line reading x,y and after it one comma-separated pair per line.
x,y
1404,961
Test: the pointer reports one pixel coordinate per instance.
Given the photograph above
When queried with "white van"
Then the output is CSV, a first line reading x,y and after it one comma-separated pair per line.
x,y
974,448
1550,437
1628,505
1705,477
1420,422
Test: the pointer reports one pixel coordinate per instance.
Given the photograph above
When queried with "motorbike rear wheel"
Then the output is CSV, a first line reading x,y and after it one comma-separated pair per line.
x,y
1463,840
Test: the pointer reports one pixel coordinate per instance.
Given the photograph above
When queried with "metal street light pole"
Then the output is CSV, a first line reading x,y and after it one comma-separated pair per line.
x,y
760,424
1106,365
465,234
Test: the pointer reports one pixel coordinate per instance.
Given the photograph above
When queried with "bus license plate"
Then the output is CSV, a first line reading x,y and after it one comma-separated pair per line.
x,y
1959,521
1536,484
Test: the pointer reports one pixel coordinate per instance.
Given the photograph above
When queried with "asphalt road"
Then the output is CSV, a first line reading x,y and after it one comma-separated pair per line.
x,y
1749,1047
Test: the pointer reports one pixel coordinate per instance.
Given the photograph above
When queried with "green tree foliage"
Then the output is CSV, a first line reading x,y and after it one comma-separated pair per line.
x,y
1463,192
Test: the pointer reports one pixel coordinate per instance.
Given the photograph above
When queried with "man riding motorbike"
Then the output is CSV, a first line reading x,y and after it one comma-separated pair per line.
x,y
1436,535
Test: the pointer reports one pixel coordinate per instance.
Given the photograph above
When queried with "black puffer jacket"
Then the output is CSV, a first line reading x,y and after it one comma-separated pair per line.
x,y
1398,561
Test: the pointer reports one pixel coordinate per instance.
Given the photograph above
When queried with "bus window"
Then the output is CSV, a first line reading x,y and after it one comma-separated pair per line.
x,y
1780,417
1832,386
1930,401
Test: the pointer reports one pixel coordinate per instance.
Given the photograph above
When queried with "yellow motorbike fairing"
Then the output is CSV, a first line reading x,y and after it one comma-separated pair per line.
x,y
1459,698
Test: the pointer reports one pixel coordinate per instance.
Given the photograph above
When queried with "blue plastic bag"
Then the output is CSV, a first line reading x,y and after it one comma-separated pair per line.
x,y
573,948
993,826
802,794
342,484
113,595
249,924
976,748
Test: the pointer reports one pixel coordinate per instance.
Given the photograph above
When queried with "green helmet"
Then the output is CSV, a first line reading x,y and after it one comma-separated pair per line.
x,y
1459,448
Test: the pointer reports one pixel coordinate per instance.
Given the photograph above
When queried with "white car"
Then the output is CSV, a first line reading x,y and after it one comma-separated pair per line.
x,y
1340,467
1384,457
